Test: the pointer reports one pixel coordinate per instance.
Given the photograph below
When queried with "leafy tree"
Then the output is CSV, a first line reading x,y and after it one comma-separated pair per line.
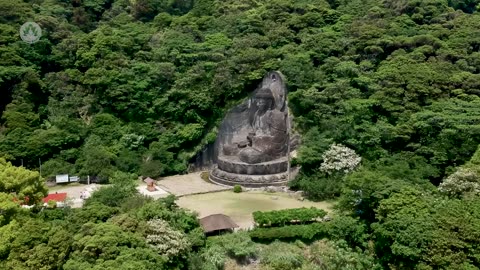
x,y
140,87
339,159
96,159
123,187
337,255
464,181
14,11
35,244
364,190
53,167
95,212
106,246
418,230
167,241
318,186
461,182
465,5
238,246
326,182
348,229
280,255
18,185
166,209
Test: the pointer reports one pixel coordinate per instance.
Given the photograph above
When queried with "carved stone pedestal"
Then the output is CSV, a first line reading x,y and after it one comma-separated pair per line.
x,y
255,138
231,171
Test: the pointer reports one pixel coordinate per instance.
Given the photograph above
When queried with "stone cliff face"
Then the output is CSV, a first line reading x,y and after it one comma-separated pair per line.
x,y
239,126
252,141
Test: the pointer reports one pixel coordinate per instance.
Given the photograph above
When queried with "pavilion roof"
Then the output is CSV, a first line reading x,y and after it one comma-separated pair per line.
x,y
217,222
149,180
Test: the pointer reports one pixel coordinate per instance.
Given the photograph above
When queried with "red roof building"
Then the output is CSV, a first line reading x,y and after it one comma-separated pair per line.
x,y
58,197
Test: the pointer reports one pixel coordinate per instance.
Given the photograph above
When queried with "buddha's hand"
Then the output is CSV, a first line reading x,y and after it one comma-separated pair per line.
x,y
243,144
262,140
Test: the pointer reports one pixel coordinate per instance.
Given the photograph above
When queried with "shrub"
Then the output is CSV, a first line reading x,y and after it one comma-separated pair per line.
x,y
135,202
196,237
337,255
52,204
214,258
112,196
166,209
287,216
95,212
205,176
320,187
282,256
349,229
237,246
123,187
129,223
305,232
237,189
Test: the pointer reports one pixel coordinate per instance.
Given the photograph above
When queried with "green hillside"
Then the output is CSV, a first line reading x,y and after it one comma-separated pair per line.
x,y
140,87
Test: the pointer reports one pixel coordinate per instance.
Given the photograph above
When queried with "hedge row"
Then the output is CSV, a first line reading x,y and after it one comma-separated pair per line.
x,y
287,216
293,232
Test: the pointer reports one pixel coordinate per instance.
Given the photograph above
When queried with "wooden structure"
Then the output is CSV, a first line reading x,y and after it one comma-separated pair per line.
x,y
150,184
217,224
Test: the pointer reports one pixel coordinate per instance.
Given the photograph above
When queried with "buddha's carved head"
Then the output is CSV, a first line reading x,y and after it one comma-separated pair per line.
x,y
264,99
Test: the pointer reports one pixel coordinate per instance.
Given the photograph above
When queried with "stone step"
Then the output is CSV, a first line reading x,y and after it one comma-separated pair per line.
x,y
226,178
234,165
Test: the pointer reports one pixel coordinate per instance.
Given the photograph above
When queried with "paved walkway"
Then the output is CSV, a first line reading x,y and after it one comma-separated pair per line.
x,y
159,193
188,184
179,185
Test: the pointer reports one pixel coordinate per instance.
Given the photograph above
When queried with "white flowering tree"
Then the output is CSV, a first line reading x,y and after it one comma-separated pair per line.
x,y
166,240
339,158
461,182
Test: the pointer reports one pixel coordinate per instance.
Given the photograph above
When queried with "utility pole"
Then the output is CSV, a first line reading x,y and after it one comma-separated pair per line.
x,y
40,162
288,143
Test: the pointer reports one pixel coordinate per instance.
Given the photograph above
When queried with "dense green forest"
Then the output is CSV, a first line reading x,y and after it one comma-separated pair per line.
x,y
120,87
140,86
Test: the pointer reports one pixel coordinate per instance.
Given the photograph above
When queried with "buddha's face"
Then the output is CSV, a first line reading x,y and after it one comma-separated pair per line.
x,y
263,104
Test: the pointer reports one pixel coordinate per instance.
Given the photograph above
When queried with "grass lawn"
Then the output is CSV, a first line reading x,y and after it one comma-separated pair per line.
x,y
240,206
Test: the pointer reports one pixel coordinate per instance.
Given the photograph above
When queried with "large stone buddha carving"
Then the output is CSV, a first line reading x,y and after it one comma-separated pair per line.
x,y
253,138
267,137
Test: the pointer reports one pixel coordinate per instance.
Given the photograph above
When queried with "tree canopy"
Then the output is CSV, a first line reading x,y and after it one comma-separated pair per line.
x,y
385,94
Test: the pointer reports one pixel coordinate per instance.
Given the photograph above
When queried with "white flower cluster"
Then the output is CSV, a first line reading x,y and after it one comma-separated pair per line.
x,y
166,240
461,182
339,158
